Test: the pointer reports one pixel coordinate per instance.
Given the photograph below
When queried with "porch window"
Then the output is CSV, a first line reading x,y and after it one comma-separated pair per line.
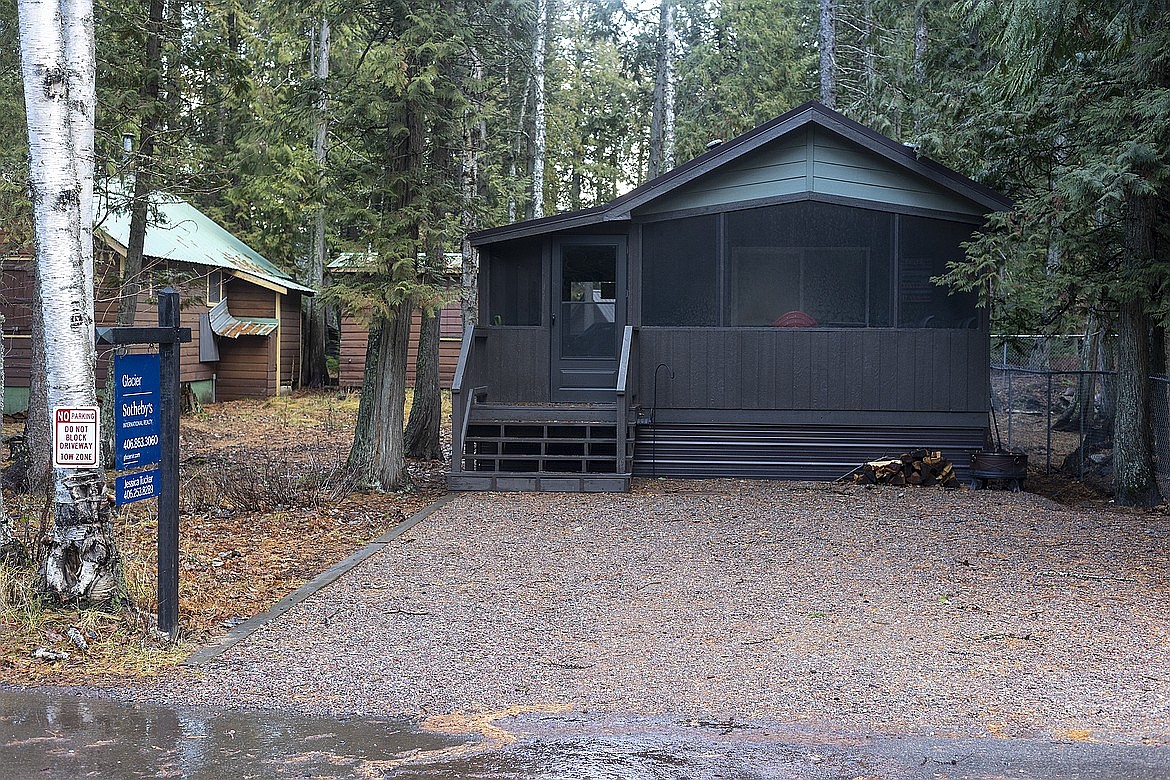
x,y
805,264
927,246
514,285
809,263
679,265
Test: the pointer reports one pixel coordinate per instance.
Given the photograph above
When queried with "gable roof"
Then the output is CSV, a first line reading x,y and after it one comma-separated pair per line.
x,y
808,115
176,230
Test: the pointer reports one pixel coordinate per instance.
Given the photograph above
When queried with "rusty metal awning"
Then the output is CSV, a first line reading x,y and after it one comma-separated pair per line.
x,y
223,323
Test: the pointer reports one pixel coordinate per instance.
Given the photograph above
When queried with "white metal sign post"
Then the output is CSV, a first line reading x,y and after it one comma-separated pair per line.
x,y
75,437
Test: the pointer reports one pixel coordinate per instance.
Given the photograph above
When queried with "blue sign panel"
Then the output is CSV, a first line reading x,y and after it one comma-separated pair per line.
x,y
136,487
136,411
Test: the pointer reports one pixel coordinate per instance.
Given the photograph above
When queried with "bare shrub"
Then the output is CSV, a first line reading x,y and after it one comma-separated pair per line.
x,y
259,480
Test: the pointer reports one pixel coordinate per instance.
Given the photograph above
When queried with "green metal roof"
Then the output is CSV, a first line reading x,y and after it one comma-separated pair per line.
x,y
176,230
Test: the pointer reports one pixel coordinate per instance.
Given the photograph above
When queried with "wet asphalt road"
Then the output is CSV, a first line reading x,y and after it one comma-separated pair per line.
x,y
62,735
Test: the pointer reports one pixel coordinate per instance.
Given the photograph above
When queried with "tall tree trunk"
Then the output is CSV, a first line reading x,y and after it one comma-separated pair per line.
x,y
130,282
377,455
1080,411
662,112
827,43
869,61
536,207
426,413
82,562
474,131
1134,483
919,68
518,148
314,372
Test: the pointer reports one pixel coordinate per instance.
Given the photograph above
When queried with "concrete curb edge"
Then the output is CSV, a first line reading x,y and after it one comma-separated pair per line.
x,y
210,652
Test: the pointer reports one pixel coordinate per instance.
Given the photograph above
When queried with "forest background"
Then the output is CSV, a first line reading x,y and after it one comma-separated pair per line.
x,y
391,129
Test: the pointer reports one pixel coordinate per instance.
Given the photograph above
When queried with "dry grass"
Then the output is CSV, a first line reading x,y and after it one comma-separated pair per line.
x,y
240,550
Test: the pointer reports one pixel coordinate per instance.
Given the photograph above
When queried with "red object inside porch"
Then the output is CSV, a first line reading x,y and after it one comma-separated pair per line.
x,y
794,319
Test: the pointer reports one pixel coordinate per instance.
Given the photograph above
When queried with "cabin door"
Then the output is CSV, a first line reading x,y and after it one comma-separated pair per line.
x,y
589,314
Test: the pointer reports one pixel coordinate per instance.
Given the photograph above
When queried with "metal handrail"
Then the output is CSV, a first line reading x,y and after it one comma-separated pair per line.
x,y
458,403
623,405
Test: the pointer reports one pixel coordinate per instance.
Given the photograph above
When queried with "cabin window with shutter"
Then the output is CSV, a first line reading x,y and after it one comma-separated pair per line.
x,y
214,287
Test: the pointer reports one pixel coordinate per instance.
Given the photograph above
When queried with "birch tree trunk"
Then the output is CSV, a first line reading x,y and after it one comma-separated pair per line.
x,y
518,148
869,60
474,132
919,69
539,121
314,372
827,43
82,563
662,112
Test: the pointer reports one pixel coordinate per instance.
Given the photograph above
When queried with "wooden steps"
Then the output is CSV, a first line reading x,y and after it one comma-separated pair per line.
x,y
544,447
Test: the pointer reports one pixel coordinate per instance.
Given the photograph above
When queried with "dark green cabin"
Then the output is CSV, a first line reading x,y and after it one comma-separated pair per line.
x,y
765,310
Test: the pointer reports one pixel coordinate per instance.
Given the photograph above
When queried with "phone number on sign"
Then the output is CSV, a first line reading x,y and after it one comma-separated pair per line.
x,y
138,442
138,492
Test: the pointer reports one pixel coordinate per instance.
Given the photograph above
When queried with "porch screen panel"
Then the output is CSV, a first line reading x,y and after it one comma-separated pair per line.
x,y
679,263
514,285
809,265
927,245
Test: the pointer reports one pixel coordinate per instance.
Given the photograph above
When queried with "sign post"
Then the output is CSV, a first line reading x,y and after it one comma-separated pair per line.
x,y
163,448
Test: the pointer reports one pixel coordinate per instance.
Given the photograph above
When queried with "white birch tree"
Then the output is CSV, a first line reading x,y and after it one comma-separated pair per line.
x,y
82,562
827,43
539,120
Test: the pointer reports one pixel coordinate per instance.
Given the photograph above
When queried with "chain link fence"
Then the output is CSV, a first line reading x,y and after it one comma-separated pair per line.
x,y
1052,397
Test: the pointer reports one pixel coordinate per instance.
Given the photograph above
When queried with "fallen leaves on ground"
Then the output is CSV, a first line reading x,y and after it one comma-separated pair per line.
x,y
239,552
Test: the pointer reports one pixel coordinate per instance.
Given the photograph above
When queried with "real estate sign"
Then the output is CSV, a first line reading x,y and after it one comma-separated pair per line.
x,y
137,411
137,486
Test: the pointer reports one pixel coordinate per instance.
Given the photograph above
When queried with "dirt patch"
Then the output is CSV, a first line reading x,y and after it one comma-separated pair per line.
x,y
265,507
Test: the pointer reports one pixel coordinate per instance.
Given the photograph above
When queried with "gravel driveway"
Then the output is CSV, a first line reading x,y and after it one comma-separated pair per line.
x,y
886,610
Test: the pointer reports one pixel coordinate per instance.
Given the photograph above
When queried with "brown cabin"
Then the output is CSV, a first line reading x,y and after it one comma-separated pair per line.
x,y
354,335
243,311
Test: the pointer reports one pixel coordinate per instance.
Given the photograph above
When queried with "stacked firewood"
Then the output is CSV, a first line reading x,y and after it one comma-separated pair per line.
x,y
920,467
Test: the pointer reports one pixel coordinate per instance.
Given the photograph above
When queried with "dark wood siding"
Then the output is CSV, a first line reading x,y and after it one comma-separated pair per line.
x,y
247,366
249,300
191,283
514,364
870,370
